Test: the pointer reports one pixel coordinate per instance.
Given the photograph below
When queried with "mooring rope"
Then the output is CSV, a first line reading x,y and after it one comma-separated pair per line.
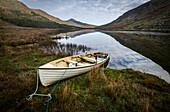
x,y
30,96
48,95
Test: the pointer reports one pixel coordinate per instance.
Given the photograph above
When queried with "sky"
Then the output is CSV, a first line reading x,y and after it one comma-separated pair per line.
x,y
97,12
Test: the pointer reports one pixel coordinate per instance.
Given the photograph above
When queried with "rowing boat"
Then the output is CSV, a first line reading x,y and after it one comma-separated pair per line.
x,y
71,66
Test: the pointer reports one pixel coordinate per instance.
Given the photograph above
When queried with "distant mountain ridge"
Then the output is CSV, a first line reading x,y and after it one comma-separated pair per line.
x,y
78,22
57,20
153,15
16,12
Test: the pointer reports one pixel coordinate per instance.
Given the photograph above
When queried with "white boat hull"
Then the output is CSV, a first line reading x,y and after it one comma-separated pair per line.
x,y
50,76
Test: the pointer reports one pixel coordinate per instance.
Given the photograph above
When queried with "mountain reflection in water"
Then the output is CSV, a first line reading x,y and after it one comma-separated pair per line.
x,y
152,45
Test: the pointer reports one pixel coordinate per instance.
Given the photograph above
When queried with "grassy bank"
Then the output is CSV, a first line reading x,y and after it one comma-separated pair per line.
x,y
99,90
23,36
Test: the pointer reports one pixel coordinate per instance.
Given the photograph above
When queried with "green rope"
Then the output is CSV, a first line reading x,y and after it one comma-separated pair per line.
x,y
54,89
47,104
59,81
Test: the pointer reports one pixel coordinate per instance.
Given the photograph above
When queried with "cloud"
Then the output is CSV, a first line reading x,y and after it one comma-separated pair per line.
x,y
89,11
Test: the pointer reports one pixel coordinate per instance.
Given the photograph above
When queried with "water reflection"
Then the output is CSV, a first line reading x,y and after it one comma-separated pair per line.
x,y
152,45
63,49
122,57
72,34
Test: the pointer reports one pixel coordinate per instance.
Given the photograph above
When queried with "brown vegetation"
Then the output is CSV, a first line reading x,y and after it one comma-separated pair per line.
x,y
14,5
140,19
22,36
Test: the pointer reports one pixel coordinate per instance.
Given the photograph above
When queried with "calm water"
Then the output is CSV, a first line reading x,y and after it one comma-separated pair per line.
x,y
121,57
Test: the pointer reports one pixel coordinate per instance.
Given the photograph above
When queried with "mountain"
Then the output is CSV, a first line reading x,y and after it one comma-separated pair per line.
x,y
153,15
77,22
17,13
50,17
57,20
80,23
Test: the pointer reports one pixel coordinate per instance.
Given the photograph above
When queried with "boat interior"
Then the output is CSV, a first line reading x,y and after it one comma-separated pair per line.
x,y
80,60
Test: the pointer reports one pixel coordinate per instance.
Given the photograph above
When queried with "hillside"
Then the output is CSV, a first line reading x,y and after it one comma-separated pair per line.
x,y
14,5
4,24
17,13
57,20
153,15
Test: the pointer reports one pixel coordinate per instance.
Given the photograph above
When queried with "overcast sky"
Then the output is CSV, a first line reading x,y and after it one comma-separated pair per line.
x,y
96,12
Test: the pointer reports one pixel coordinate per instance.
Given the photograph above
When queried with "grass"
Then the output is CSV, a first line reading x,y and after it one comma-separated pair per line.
x,y
99,90
22,36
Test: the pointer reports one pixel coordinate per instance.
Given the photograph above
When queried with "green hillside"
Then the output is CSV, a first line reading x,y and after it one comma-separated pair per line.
x,y
153,15
20,15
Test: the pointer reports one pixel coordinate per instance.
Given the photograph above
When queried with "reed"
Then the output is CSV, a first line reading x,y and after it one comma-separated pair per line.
x,y
65,93
90,80
102,75
147,105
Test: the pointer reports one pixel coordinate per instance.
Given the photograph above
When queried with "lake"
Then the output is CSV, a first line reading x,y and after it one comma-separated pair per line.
x,y
147,52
